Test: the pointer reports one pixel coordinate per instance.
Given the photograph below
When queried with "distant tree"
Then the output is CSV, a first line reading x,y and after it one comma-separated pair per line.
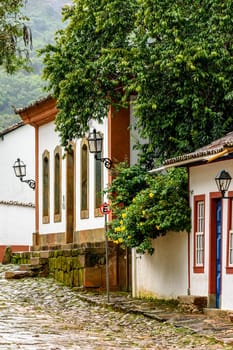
x,y
15,36
176,57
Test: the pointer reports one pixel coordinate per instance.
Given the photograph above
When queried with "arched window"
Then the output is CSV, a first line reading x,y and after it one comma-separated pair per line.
x,y
57,184
45,185
84,180
70,194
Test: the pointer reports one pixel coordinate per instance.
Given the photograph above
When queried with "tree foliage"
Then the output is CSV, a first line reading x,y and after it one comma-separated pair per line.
x,y
88,67
15,36
175,56
146,207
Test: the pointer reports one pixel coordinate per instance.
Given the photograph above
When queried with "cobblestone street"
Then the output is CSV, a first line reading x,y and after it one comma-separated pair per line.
x,y
38,314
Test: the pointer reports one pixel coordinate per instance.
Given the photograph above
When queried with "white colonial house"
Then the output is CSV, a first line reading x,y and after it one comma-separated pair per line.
x,y
199,263
17,199
69,183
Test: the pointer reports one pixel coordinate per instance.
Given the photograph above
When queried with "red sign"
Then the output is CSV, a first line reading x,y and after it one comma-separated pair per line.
x,y
104,208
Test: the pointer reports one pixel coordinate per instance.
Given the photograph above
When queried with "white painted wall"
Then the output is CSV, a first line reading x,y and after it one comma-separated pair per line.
x,y
17,222
49,140
202,182
16,225
165,273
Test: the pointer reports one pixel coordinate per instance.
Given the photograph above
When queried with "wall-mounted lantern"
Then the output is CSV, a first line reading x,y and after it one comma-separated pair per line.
x,y
223,180
95,144
20,171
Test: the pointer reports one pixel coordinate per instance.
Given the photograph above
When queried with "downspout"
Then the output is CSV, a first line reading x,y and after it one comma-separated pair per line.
x,y
189,284
36,238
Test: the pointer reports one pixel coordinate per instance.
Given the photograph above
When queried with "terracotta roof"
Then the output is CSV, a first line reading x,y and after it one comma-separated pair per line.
x,y
33,104
39,112
213,148
11,128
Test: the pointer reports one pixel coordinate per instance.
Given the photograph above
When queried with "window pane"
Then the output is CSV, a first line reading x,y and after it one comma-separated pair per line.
x,y
199,234
45,186
57,185
84,192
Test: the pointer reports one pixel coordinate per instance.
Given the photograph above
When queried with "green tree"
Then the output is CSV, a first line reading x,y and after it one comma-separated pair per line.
x,y
185,86
88,66
15,36
146,207
175,56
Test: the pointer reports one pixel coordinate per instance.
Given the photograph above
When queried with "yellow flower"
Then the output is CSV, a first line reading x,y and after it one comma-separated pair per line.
x,y
143,212
129,237
151,195
116,242
123,228
117,229
121,222
123,215
120,240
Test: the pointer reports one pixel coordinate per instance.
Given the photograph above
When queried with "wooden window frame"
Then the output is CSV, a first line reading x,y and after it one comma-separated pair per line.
x,y
57,185
199,268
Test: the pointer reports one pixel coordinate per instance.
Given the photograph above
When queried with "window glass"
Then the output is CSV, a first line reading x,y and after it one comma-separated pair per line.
x,y
45,207
57,185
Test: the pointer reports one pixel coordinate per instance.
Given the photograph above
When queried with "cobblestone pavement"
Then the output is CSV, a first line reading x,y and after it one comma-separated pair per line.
x,y
38,314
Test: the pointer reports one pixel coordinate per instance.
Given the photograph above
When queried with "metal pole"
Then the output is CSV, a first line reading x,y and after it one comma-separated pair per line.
x,y
106,252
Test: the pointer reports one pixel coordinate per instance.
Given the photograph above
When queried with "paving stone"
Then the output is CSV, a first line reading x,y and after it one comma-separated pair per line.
x,y
39,314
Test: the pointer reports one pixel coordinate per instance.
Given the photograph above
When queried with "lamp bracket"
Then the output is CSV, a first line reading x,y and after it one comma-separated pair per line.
x,y
31,183
107,161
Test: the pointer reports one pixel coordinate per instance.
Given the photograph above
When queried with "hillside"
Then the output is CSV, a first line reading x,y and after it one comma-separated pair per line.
x,y
21,89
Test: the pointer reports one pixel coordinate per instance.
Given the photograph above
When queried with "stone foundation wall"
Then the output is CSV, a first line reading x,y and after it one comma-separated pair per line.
x,y
82,267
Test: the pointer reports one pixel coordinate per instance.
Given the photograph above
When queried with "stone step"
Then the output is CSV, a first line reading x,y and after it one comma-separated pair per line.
x,y
17,274
29,267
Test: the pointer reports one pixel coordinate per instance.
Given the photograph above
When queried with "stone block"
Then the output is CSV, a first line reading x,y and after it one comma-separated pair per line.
x,y
92,277
76,278
80,277
17,274
35,261
44,254
192,303
25,267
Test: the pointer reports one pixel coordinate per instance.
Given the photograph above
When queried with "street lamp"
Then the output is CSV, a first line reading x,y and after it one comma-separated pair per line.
x,y
20,171
223,180
95,144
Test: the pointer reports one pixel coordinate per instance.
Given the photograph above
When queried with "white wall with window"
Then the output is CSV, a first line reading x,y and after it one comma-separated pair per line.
x,y
90,178
203,193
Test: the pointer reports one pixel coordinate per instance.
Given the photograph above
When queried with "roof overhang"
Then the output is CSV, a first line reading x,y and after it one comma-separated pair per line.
x,y
39,113
191,161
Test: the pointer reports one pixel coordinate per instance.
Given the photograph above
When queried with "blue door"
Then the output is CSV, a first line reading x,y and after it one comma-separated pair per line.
x,y
218,250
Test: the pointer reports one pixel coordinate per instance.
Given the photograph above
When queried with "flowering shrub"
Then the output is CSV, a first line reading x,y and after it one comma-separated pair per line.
x,y
145,207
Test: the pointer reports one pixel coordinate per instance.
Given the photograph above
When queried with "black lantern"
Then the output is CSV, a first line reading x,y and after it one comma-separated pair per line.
x,y
223,180
95,144
20,171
